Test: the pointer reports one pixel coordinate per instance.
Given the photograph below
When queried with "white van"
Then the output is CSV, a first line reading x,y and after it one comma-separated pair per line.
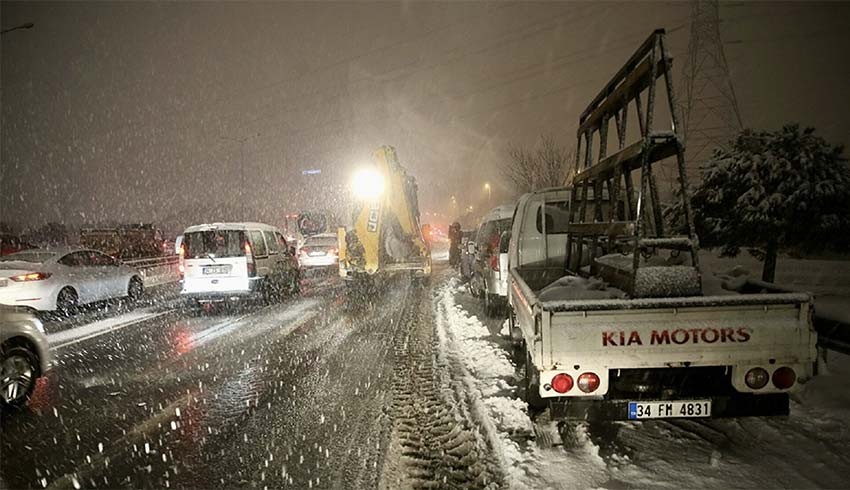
x,y
232,261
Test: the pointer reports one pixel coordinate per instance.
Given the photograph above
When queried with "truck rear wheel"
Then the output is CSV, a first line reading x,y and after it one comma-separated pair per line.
x,y
535,402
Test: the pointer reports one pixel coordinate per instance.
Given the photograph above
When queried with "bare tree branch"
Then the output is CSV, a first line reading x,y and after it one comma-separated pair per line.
x,y
546,166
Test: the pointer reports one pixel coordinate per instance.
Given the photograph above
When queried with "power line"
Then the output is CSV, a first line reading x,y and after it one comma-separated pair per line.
x,y
591,53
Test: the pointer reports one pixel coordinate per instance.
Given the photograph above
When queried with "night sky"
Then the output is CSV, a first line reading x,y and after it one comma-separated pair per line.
x,y
143,111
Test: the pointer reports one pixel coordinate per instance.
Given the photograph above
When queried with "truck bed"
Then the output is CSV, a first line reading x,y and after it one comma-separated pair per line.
x,y
533,280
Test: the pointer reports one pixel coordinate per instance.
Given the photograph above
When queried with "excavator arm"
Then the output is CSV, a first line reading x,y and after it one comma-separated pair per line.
x,y
386,234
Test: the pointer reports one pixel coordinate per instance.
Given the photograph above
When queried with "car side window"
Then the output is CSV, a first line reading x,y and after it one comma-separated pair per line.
x,y
98,258
69,260
259,244
76,259
271,243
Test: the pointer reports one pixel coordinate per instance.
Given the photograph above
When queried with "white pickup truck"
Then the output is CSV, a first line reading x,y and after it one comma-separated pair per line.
x,y
594,354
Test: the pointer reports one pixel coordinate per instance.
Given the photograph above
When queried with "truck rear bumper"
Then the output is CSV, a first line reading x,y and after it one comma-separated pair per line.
x,y
738,405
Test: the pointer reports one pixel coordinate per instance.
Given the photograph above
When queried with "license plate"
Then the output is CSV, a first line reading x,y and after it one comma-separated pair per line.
x,y
216,269
317,254
668,410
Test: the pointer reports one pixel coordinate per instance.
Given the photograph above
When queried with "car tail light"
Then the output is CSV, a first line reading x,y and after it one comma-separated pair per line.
x,y
588,382
494,262
562,383
249,259
333,250
305,250
784,378
31,276
756,378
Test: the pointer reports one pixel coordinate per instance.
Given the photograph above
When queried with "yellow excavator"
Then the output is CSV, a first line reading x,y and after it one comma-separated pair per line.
x,y
385,237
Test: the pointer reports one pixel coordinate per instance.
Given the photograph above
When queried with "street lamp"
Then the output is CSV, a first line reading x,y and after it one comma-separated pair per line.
x,y
487,187
241,142
28,25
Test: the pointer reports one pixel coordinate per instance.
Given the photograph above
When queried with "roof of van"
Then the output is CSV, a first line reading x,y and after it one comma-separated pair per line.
x,y
505,211
231,226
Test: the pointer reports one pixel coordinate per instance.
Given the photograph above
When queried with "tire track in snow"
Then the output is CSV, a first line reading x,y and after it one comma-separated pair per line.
x,y
434,442
478,368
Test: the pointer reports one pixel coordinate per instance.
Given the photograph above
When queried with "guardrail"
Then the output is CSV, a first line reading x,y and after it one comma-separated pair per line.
x,y
156,271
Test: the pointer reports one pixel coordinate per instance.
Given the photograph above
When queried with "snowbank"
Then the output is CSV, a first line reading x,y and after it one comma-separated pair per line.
x,y
488,375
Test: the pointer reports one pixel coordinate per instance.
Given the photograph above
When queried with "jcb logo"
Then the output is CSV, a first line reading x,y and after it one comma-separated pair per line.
x,y
372,223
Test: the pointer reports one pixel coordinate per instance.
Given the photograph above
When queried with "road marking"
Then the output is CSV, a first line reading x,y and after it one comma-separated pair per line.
x,y
107,327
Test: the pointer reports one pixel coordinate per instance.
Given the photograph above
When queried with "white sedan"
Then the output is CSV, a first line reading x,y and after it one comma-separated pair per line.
x,y
64,278
319,251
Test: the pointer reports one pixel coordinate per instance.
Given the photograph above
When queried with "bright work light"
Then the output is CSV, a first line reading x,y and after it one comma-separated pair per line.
x,y
368,184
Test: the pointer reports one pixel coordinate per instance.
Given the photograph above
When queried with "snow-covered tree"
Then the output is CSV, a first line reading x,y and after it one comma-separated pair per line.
x,y
787,190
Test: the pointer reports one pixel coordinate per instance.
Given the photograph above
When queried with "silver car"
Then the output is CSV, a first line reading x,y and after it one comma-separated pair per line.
x,y
24,355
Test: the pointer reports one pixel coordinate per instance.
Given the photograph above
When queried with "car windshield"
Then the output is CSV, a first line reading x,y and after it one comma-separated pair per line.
x,y
405,244
34,257
215,243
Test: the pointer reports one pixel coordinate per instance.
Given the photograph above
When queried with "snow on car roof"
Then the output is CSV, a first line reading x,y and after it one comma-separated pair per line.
x,y
505,211
42,255
47,252
231,226
321,236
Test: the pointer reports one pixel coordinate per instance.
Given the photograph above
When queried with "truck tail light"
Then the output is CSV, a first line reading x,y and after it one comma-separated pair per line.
x,y
31,276
588,382
756,378
494,262
562,383
784,378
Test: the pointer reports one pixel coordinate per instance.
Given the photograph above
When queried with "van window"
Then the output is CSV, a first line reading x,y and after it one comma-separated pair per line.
x,y
216,243
557,217
259,244
271,242
281,242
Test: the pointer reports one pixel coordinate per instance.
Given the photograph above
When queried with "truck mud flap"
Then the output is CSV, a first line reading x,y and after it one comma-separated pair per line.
x,y
739,405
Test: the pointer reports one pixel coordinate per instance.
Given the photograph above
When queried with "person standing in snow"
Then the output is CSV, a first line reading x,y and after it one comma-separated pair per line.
x,y
454,244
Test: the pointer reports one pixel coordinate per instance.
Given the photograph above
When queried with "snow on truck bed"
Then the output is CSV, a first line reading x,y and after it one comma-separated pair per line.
x,y
575,293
